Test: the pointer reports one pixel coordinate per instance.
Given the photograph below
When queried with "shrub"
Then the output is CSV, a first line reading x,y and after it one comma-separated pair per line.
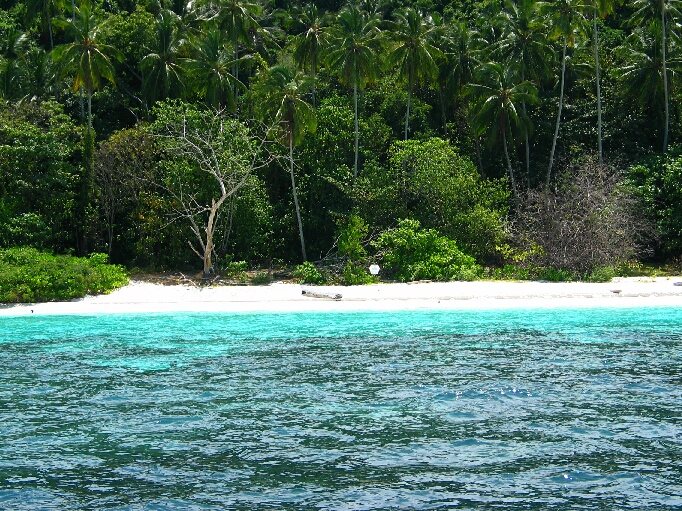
x,y
590,220
658,182
232,269
552,274
410,253
431,182
350,238
261,278
525,272
28,275
350,242
307,273
354,274
602,274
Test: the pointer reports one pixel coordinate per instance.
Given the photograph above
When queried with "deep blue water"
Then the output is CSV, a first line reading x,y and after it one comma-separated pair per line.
x,y
512,409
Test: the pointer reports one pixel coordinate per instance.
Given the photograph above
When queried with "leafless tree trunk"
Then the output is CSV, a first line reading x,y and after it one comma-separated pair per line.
x,y
222,149
590,220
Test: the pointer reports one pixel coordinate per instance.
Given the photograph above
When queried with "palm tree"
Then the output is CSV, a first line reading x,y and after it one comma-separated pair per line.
x,y
496,110
311,42
354,56
642,75
237,18
376,8
657,13
13,47
45,10
211,69
600,8
37,73
463,52
567,19
524,41
283,90
466,53
86,60
164,68
414,52
9,79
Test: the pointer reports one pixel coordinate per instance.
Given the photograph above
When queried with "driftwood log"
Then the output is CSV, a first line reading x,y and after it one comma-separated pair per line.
x,y
322,294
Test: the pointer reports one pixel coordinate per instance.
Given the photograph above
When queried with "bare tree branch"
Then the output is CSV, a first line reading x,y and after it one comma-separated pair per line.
x,y
207,147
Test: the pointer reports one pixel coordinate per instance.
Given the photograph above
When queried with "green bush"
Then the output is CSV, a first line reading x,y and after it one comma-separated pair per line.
x,y
603,274
354,274
307,273
350,242
352,232
261,278
658,181
28,275
431,182
232,269
553,274
411,253
522,271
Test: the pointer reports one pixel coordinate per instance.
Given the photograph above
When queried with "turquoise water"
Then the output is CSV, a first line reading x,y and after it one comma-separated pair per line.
x,y
513,409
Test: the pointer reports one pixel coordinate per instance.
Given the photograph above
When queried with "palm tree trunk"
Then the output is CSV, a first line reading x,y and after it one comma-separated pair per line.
x,y
509,167
313,63
525,132
293,186
665,82
357,131
442,108
407,115
409,101
596,68
479,158
235,66
89,112
55,86
558,117
526,143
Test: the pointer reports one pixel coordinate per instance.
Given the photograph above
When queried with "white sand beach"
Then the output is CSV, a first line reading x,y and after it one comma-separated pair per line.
x,y
148,297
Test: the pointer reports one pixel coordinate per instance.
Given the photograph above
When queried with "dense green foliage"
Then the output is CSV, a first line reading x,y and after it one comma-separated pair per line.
x,y
430,182
28,275
659,181
409,252
40,177
269,132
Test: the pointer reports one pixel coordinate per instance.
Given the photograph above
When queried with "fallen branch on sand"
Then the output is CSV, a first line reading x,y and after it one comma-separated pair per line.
x,y
321,294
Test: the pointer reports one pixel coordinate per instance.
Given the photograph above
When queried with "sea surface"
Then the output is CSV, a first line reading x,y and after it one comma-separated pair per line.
x,y
507,409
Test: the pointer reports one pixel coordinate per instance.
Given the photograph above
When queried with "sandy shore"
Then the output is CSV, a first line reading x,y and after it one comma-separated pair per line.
x,y
147,297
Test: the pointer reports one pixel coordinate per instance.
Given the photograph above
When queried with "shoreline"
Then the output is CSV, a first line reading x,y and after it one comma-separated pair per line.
x,y
145,297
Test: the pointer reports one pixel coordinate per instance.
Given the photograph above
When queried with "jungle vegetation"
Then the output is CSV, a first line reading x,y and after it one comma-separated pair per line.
x,y
441,139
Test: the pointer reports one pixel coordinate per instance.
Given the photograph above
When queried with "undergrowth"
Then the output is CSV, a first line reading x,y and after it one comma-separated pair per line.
x,y
28,275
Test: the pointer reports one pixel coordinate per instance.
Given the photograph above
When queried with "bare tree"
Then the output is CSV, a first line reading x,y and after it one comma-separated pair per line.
x,y
208,158
590,220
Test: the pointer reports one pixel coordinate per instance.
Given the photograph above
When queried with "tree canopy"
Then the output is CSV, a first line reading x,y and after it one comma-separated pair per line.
x,y
519,91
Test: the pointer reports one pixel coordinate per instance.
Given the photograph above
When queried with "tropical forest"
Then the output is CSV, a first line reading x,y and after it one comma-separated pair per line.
x,y
435,139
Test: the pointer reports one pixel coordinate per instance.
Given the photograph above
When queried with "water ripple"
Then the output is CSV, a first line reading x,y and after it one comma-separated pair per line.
x,y
413,410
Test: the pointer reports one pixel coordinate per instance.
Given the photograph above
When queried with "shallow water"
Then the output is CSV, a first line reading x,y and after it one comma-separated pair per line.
x,y
511,409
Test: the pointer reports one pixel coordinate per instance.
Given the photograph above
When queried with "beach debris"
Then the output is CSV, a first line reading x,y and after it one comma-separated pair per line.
x,y
677,283
322,294
616,291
